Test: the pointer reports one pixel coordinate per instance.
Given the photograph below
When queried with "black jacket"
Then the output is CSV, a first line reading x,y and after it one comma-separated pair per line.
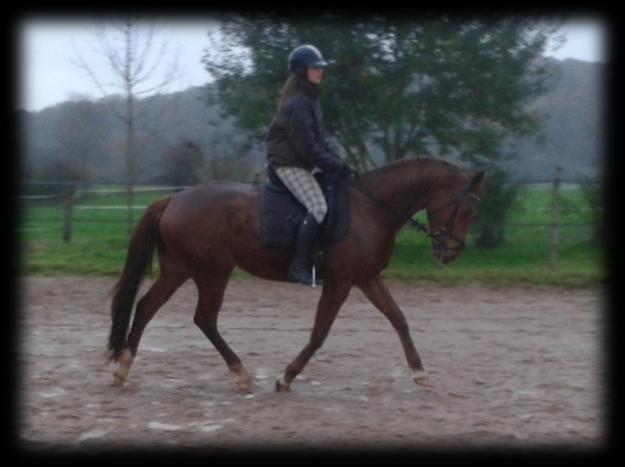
x,y
297,137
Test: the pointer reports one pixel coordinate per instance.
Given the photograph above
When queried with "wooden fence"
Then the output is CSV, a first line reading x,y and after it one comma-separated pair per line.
x,y
67,200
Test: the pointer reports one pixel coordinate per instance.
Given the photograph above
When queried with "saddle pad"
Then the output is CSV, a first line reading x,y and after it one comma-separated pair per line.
x,y
281,214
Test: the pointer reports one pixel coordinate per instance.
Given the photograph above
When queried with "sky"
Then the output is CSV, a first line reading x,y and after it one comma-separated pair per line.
x,y
47,51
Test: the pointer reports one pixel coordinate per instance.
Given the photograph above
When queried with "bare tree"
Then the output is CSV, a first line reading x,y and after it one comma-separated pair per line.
x,y
78,131
136,67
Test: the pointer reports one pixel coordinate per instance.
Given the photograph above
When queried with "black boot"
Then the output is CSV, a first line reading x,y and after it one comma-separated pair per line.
x,y
300,268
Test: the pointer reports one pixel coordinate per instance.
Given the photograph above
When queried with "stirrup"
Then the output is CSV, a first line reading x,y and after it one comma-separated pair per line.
x,y
302,277
315,281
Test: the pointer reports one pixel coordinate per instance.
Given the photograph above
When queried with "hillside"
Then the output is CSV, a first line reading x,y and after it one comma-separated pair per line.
x,y
573,125
572,130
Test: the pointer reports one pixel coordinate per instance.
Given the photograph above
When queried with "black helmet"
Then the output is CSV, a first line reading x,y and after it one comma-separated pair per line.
x,y
305,56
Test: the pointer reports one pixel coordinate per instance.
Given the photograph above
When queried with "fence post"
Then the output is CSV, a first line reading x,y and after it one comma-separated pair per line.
x,y
555,220
68,214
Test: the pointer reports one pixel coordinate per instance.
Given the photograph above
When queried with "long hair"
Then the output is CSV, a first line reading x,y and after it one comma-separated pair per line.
x,y
288,88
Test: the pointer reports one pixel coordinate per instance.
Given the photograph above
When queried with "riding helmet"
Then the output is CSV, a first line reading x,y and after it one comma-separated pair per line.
x,y
305,56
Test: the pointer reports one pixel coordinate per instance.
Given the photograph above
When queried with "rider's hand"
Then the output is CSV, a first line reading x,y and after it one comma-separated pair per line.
x,y
347,171
353,173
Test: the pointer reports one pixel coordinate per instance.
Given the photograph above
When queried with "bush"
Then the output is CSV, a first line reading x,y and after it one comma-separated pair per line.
x,y
499,196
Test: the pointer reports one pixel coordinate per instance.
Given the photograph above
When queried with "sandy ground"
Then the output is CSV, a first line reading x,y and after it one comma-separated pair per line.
x,y
514,366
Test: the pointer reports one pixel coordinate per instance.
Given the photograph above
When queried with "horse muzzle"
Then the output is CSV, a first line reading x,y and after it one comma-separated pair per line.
x,y
444,256
446,248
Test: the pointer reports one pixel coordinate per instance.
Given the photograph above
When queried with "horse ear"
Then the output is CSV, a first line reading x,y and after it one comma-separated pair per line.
x,y
477,181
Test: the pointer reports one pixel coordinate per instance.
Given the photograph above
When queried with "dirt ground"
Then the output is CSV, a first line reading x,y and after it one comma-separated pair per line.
x,y
518,366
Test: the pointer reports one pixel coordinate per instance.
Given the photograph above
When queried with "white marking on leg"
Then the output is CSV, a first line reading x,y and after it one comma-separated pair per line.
x,y
281,384
124,363
242,378
421,378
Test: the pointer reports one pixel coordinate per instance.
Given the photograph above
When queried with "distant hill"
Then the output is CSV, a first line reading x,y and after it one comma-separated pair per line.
x,y
573,125
573,132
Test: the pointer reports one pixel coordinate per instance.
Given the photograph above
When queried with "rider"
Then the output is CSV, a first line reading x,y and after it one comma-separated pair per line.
x,y
296,145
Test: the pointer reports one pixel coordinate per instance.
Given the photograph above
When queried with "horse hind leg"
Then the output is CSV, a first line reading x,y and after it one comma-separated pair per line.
x,y
211,292
162,289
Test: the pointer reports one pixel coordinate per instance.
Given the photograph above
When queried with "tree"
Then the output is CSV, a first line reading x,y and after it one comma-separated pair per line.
x,y
133,59
79,129
489,224
182,164
433,86
417,86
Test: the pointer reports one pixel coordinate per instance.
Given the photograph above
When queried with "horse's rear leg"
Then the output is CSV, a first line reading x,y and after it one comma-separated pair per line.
x,y
377,292
162,289
332,298
211,293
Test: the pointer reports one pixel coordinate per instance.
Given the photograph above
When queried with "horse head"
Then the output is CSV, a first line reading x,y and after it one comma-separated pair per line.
x,y
450,212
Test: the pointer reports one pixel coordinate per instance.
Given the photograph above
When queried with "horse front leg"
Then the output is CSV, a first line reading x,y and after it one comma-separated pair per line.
x,y
377,292
332,298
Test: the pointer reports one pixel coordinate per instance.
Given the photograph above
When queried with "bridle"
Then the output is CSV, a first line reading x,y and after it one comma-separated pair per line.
x,y
446,232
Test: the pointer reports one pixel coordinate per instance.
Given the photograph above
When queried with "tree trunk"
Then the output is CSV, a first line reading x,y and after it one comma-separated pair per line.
x,y
130,147
130,168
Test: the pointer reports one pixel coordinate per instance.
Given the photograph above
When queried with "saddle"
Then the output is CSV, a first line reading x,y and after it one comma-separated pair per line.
x,y
281,213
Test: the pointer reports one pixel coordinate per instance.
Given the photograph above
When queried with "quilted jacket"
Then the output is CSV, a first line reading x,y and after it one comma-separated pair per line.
x,y
297,137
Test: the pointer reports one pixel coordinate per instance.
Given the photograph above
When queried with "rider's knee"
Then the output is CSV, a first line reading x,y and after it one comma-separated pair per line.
x,y
319,212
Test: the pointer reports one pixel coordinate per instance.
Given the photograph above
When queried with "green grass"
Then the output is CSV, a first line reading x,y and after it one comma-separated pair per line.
x,y
523,258
99,242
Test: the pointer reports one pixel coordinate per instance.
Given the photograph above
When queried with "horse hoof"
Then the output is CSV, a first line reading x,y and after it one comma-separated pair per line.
x,y
118,380
124,361
422,379
246,386
242,378
281,385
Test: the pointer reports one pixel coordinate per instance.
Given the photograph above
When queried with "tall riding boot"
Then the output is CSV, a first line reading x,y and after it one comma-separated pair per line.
x,y
300,268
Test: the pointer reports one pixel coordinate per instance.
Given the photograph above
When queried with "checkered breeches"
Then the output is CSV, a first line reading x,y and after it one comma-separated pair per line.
x,y
305,188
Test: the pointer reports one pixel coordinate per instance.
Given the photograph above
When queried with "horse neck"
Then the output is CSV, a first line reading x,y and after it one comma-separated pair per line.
x,y
406,186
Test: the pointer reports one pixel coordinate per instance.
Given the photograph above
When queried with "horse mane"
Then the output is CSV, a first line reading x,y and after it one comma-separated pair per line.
x,y
411,166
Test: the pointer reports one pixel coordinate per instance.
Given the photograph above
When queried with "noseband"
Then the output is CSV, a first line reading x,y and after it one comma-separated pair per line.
x,y
446,232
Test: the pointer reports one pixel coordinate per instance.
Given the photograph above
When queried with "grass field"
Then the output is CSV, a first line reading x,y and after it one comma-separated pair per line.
x,y
99,241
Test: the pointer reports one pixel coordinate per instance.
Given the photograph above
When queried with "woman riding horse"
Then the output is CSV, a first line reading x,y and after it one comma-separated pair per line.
x,y
381,202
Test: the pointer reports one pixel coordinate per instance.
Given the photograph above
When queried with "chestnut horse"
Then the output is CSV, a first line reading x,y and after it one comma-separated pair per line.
x,y
204,232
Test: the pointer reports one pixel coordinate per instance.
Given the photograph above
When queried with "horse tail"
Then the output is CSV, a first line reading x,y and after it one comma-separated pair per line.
x,y
141,248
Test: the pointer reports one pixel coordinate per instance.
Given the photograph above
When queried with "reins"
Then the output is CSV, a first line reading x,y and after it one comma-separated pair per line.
x,y
439,237
415,223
